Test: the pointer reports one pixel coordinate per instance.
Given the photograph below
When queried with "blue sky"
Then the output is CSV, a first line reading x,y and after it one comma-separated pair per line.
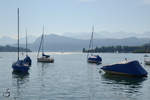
x,y
60,16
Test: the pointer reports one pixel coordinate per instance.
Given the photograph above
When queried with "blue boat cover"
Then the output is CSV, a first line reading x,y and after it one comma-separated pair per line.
x,y
95,58
20,66
27,60
47,56
130,68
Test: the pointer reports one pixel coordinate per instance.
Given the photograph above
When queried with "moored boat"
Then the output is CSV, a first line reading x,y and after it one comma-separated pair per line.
x,y
20,65
44,58
94,59
146,56
91,58
146,60
132,68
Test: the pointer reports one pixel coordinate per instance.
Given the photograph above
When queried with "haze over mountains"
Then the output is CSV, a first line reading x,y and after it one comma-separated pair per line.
x,y
76,42
6,40
61,43
106,35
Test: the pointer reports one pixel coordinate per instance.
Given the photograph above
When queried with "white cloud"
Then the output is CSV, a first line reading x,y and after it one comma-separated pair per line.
x,y
146,1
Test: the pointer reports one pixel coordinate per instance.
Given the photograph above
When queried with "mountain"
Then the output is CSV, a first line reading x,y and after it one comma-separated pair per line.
x,y
106,34
61,43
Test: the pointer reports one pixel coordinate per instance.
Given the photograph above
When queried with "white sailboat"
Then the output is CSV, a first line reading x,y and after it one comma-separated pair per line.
x,y
44,58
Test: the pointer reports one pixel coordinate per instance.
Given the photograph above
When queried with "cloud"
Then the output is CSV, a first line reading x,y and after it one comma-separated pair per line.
x,y
146,1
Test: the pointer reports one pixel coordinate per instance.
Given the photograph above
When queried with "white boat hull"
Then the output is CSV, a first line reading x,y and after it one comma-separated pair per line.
x,y
147,62
46,60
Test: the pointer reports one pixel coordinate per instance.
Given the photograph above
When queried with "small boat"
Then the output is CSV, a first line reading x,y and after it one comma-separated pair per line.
x,y
132,68
91,58
146,60
44,58
146,56
20,65
94,59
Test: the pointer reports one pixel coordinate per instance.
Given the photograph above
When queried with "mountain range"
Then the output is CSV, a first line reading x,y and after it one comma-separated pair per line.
x,y
61,43
54,42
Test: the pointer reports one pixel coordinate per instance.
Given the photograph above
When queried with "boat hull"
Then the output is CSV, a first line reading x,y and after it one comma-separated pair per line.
x,y
45,60
20,67
147,62
95,59
132,68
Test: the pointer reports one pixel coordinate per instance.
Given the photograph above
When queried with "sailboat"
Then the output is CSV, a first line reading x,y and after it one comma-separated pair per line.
x,y
20,65
27,59
44,58
91,58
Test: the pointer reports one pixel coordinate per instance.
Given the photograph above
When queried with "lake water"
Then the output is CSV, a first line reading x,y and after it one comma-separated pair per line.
x,y
70,77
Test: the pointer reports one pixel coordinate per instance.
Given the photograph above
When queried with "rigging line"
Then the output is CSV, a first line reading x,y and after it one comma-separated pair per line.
x,y
91,41
43,41
92,36
26,43
18,33
40,45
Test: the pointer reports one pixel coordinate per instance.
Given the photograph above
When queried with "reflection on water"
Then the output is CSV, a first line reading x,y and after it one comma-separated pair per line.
x,y
129,86
41,73
116,79
71,78
19,84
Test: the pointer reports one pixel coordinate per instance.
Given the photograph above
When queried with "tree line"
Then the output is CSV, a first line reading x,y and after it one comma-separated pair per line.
x,y
121,49
8,48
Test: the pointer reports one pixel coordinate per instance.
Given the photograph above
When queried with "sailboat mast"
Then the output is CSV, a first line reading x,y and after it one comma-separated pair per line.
x,y
92,37
18,33
26,43
41,44
43,41
91,42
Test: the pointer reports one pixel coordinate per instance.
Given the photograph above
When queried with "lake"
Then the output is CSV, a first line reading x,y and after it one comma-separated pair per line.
x,y
70,77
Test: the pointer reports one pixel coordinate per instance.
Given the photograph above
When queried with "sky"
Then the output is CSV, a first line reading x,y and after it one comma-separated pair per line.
x,y
74,16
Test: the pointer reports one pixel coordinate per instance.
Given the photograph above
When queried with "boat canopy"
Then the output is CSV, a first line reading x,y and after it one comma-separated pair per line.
x,y
47,56
131,68
27,59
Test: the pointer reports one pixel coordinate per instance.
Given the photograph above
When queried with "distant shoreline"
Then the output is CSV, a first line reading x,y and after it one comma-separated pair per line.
x,y
119,49
8,48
